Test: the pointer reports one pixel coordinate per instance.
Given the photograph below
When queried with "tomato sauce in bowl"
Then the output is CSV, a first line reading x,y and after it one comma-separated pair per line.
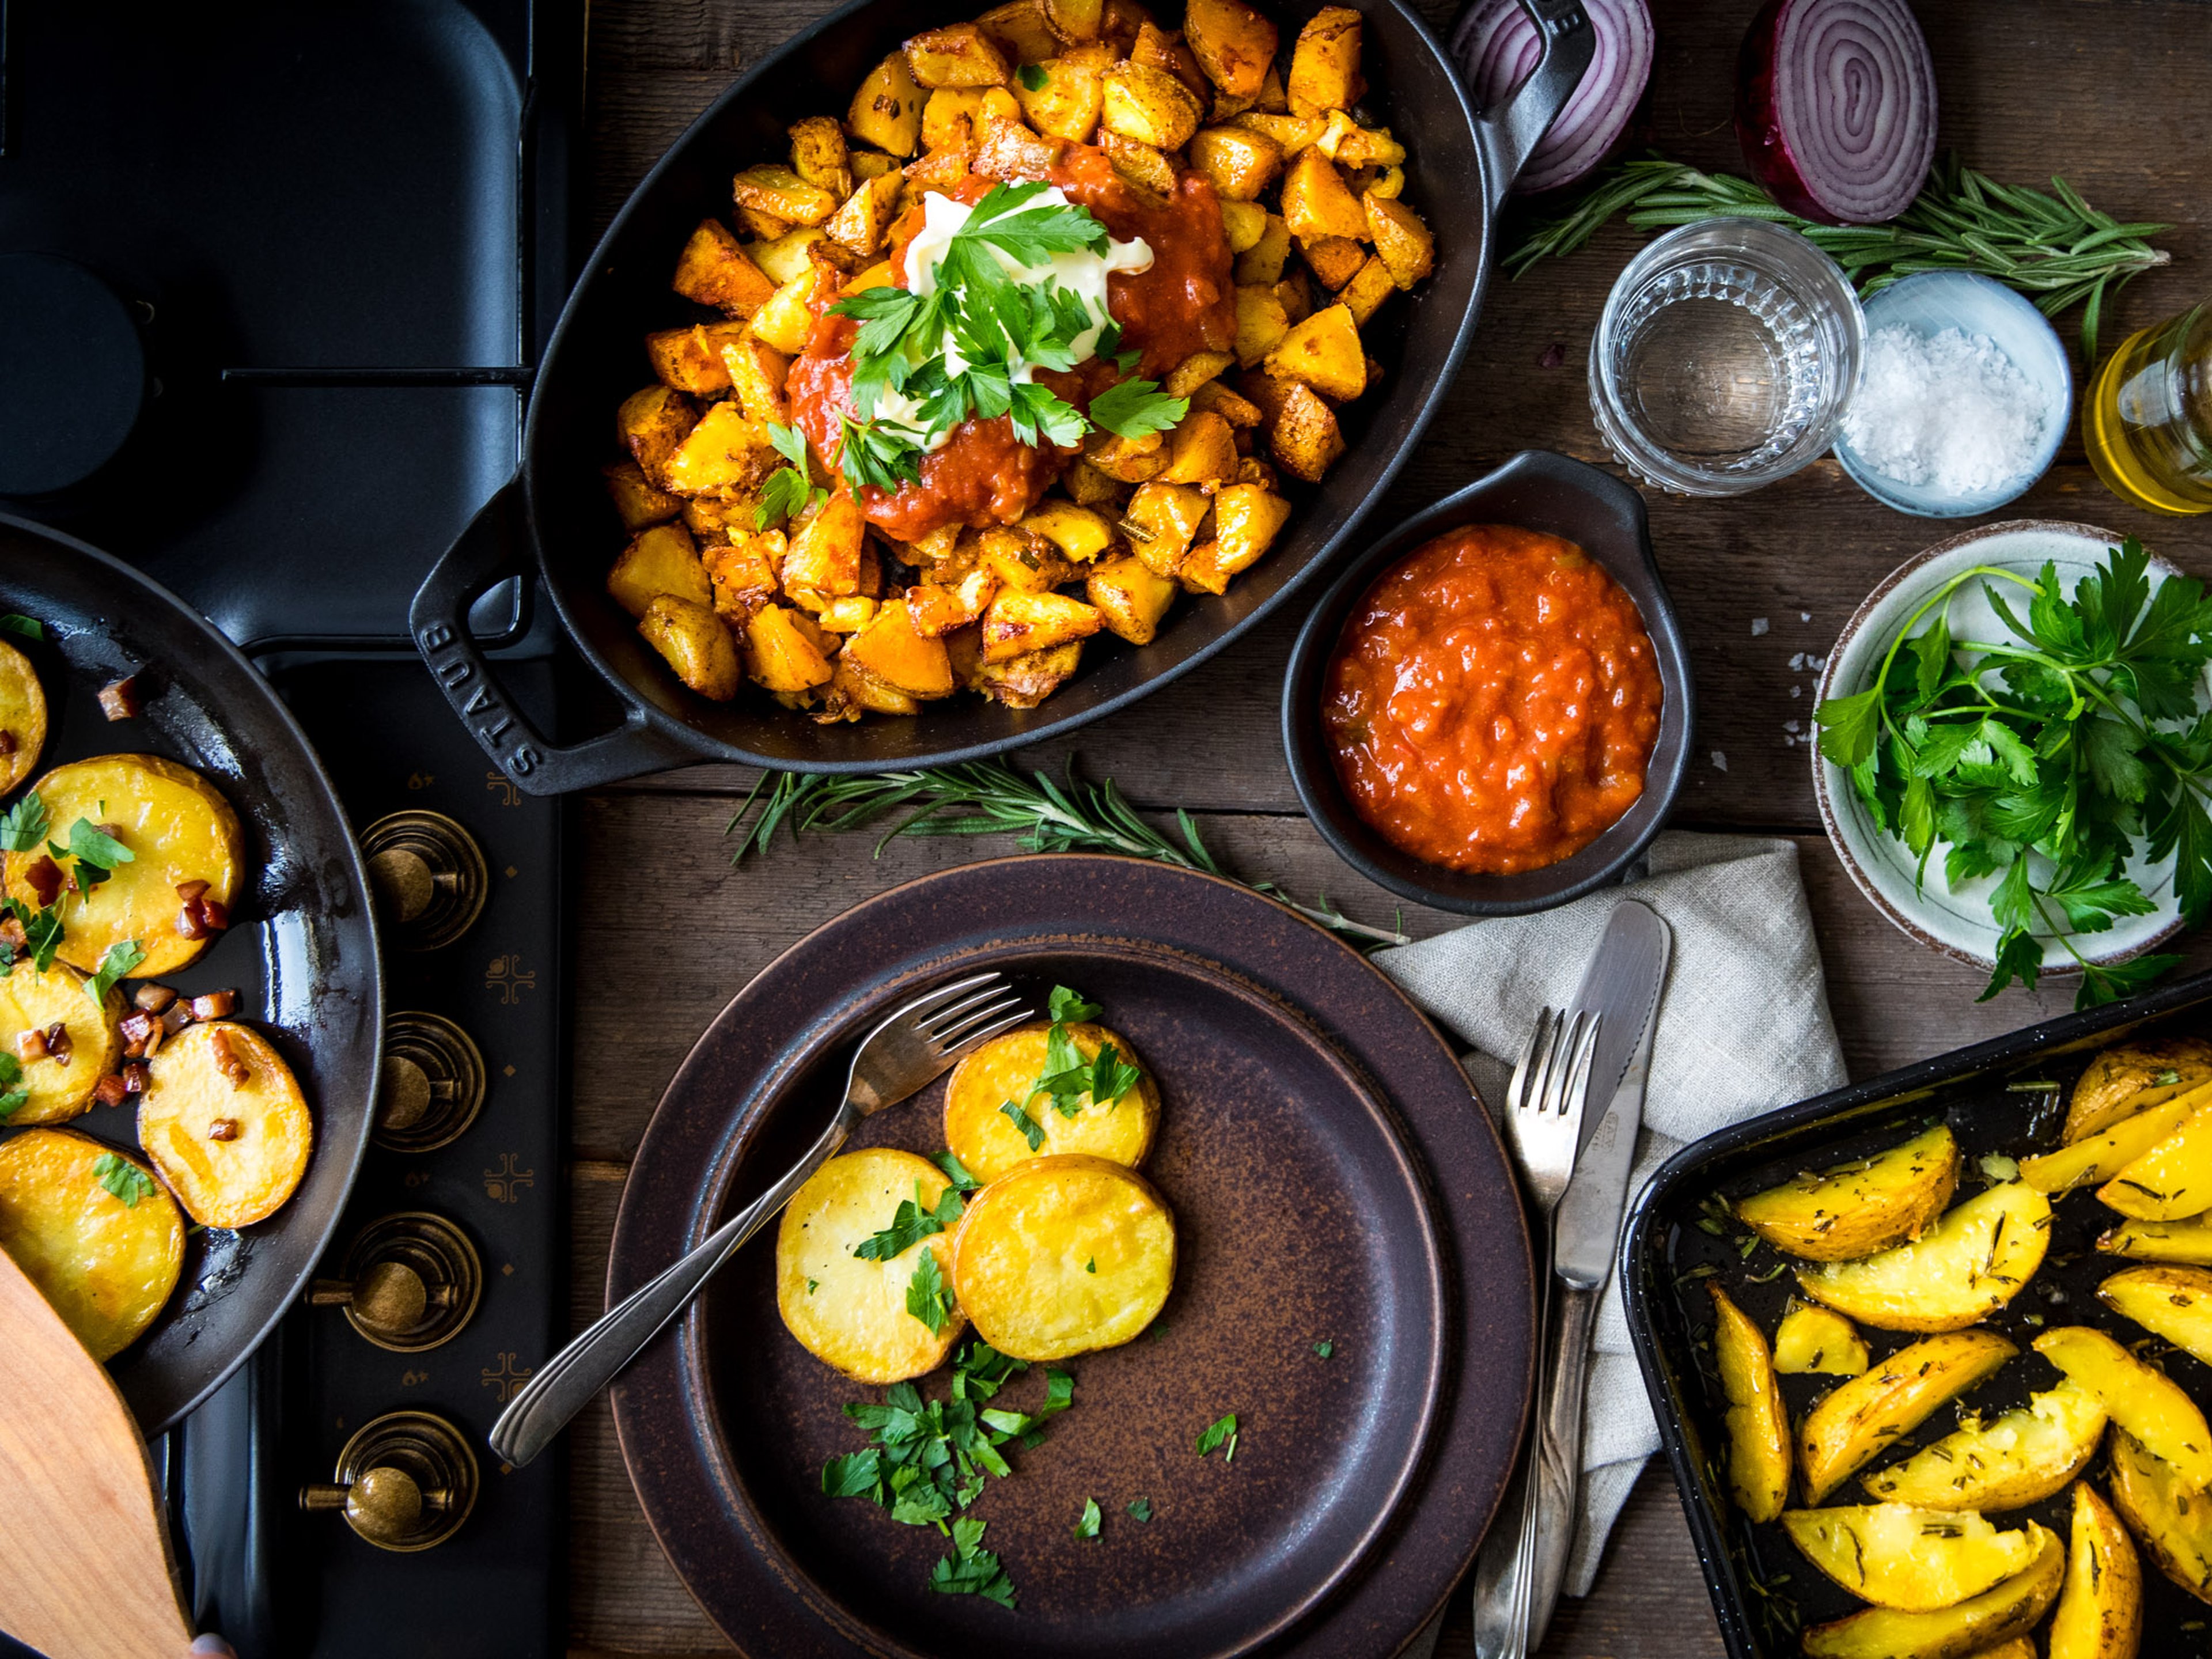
x,y
1493,701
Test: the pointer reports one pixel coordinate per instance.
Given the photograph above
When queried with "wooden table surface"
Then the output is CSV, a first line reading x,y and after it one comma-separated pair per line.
x,y
2115,94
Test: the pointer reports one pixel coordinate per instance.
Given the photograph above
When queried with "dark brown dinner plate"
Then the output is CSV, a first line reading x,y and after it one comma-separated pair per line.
x,y
1333,1182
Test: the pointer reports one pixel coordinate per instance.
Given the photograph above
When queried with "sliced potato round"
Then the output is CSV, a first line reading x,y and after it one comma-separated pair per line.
x,y
2121,1081
177,827
22,717
849,1311
2022,1457
1858,1208
987,1139
1913,1560
1063,1255
2168,1514
94,1231
2001,1614
33,1001
1978,1257
226,1124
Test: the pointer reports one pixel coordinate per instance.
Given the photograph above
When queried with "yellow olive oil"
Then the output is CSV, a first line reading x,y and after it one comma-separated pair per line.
x,y
2147,422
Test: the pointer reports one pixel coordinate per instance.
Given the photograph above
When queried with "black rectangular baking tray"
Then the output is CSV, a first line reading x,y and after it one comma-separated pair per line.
x,y
1759,1581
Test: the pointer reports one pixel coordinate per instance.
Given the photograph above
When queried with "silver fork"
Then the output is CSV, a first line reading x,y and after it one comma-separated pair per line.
x,y
913,1045
1543,1125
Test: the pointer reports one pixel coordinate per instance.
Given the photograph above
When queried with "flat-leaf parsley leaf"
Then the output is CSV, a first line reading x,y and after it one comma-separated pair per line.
x,y
125,1179
1221,1432
1086,1525
911,1225
24,825
123,957
927,1297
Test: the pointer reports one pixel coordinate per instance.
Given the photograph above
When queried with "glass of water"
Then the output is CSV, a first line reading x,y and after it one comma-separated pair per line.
x,y
1725,357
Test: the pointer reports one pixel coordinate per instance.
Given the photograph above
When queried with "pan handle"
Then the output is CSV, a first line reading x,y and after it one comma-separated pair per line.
x,y
1510,134
487,552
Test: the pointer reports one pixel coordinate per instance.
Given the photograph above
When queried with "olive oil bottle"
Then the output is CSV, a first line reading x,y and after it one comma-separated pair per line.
x,y
2147,419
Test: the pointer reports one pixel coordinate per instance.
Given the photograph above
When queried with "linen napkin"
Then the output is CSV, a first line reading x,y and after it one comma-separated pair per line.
x,y
1743,1028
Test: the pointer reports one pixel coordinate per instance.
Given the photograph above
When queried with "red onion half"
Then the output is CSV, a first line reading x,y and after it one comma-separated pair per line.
x,y
1835,107
1497,47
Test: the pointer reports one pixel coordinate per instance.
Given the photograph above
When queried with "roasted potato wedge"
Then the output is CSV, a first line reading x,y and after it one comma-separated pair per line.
x,y
2137,1395
1813,1340
2121,1081
781,654
22,717
886,112
2101,1155
1758,1421
1854,1422
1858,1208
714,270
2175,1302
2100,1613
1233,44
2026,1455
56,1088
1912,1559
177,827
638,501
2171,1181
1978,1257
853,1312
984,1136
94,1231
2171,1518
696,643
2189,1241
226,1124
1325,64
1130,596
889,648
1999,1614
1063,1255
660,560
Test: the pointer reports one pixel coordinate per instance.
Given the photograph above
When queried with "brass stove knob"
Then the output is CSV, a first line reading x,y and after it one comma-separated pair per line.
x,y
429,878
405,1482
410,1282
433,1084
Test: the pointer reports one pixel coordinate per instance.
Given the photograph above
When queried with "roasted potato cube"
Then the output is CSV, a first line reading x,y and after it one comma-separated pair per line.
x,y
819,155
1912,1559
762,226
861,225
986,1139
788,318
1344,141
1295,291
1019,31
1139,163
709,518
1194,371
1075,21
1066,101
1127,460
1204,569
871,164
848,614
1370,286
891,649
104,1263
1165,50
635,499
1302,433
1163,520
1402,242
936,608
1026,681
825,552
959,55
743,575
1981,1625
1289,133
1323,352
2137,1395
1130,596
1201,450
1242,225
651,424
861,692
1317,204
225,1124
1237,162
1063,1255
725,451
714,270
849,1310
781,654
1241,412
696,644
660,560
1964,1267
690,359
756,371
782,194
1149,106
1020,623
1857,1420
1325,64
886,112
782,258
1010,150
1024,559
2165,1511
1247,518
1080,534
1261,323
950,120
1088,487
1261,265
1335,260
1233,44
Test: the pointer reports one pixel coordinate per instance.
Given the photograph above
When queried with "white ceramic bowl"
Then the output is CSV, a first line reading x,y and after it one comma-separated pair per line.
x,y
1957,921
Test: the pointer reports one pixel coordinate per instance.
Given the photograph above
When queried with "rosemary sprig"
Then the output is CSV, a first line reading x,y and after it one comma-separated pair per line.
x,y
984,798
2057,249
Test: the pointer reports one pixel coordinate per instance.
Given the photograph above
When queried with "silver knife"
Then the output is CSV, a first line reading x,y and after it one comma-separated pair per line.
x,y
1622,983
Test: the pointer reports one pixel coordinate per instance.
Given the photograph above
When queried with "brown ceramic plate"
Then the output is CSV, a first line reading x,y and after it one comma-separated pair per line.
x,y
1333,1179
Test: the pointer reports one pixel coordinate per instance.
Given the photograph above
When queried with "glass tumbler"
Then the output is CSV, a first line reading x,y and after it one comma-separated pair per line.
x,y
1725,356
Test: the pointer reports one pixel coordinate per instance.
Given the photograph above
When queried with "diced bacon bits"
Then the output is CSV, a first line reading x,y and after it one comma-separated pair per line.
x,y
137,1027
111,1090
200,915
45,877
153,998
226,1059
223,1129
30,1046
189,890
215,1005
177,1017
58,1046
119,699
138,1078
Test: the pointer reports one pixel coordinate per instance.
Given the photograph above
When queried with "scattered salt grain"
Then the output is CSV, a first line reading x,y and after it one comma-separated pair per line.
x,y
1796,690
1949,409
1804,616
1720,761
1758,626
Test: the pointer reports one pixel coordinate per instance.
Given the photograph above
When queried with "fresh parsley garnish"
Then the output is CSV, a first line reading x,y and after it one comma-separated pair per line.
x,y
42,932
1069,1007
911,1225
1092,1266
30,628
970,1570
2078,740
1220,1432
812,1285
1066,1077
90,844
121,960
1131,409
14,1099
1032,76
1324,1348
125,1179
1141,1509
1032,1131
24,825
927,1298
955,1171
1086,1524
875,460
789,490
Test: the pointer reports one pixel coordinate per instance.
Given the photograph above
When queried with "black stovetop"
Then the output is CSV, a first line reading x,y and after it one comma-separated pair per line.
x,y
272,276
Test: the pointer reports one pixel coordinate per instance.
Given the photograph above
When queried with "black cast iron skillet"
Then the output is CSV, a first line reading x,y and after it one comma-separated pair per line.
x,y
1536,490
301,949
554,513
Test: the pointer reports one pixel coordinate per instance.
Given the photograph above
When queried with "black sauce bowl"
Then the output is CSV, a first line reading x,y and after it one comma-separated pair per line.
x,y
1538,490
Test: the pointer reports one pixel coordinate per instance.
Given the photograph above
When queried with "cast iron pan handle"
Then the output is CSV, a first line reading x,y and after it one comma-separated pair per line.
x,y
1510,134
487,552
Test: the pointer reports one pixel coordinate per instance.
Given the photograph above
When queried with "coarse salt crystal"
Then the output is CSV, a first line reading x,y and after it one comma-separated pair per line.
x,y
1720,761
1758,626
1949,409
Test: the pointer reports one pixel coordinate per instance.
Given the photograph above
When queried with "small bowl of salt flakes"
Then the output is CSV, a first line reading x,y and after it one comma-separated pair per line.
x,y
1964,396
